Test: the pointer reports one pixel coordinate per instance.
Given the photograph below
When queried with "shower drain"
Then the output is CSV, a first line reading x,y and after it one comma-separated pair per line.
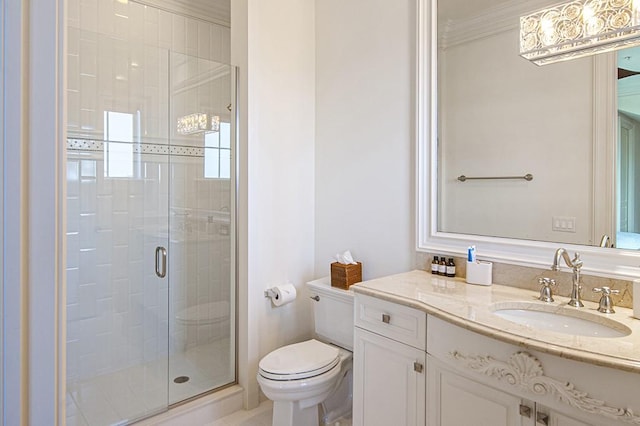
x,y
181,379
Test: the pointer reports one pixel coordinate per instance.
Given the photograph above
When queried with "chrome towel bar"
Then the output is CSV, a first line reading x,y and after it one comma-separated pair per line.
x,y
527,177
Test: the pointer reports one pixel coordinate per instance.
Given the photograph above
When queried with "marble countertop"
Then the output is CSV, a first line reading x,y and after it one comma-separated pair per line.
x,y
471,307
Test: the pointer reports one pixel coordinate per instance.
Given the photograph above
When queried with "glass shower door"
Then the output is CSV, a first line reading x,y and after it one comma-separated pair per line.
x,y
118,175
201,220
150,228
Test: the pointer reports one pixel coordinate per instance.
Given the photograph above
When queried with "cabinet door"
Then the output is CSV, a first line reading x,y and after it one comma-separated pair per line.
x,y
455,400
548,417
388,382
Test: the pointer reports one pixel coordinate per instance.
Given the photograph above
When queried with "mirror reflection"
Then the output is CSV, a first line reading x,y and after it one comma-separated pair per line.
x,y
500,116
628,150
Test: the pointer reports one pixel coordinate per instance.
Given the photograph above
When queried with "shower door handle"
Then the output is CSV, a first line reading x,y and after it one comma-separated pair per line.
x,y
161,262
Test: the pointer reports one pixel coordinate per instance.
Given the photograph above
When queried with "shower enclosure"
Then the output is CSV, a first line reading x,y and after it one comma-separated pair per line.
x,y
150,228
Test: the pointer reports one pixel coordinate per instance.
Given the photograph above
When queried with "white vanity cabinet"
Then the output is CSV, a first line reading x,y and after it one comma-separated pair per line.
x,y
450,365
477,380
456,400
389,368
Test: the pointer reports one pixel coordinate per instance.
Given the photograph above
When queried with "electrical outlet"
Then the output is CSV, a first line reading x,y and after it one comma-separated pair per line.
x,y
563,224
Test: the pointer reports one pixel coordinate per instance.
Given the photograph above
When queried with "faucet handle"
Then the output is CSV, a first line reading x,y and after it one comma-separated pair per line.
x,y
546,295
606,291
546,281
606,303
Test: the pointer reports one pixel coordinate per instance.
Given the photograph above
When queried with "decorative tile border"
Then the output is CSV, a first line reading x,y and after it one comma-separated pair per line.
x,y
138,148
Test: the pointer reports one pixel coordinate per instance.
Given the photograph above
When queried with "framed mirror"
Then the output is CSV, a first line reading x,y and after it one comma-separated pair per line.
x,y
483,111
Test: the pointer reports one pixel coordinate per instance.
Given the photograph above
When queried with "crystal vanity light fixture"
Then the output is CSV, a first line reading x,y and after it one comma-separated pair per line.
x,y
579,28
198,123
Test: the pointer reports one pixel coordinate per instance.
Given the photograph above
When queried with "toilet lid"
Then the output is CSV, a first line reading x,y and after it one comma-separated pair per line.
x,y
299,361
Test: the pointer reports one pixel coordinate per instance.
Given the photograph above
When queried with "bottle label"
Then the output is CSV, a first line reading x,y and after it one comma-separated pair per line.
x,y
434,268
451,271
442,269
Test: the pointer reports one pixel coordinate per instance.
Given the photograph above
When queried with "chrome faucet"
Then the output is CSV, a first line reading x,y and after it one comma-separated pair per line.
x,y
575,265
605,241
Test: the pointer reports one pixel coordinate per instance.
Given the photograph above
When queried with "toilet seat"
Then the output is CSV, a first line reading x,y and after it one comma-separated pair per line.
x,y
299,361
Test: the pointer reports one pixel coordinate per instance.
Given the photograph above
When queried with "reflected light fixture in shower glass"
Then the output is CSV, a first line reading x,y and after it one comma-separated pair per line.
x,y
198,123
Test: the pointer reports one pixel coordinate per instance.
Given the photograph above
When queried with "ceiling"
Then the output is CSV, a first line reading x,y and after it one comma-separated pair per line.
x,y
465,9
462,9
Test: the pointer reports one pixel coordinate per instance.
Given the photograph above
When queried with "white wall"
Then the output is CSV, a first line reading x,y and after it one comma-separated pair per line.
x,y
492,103
32,282
364,133
14,277
273,44
2,212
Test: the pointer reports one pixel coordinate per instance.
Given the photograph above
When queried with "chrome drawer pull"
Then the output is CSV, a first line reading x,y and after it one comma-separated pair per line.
x,y
542,419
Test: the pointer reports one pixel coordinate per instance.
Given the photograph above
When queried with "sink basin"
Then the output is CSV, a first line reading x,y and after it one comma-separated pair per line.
x,y
560,319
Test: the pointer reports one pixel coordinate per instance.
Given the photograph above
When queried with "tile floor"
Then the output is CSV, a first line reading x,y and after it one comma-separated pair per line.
x,y
260,416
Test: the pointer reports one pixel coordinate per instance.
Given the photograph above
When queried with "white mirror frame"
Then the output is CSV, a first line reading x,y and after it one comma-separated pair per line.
x,y
598,261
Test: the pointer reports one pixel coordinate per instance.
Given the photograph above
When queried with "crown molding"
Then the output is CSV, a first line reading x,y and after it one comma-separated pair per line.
x,y
493,20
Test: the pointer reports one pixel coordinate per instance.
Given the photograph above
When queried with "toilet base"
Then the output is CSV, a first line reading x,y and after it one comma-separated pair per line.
x,y
289,413
339,405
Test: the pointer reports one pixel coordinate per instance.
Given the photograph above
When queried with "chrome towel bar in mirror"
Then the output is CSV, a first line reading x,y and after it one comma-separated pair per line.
x,y
527,177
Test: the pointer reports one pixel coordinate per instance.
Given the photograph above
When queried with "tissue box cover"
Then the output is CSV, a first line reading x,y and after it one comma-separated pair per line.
x,y
343,276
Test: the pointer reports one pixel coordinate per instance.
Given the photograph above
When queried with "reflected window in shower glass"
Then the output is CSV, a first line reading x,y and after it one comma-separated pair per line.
x,y
118,145
225,135
217,153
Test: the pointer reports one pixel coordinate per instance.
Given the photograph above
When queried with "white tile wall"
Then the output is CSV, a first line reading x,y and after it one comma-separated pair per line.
x,y
118,60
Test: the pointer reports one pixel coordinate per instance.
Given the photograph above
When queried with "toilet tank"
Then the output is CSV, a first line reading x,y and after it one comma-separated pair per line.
x,y
332,312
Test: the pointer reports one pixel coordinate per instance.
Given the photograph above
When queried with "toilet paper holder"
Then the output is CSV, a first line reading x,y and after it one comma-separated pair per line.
x,y
281,294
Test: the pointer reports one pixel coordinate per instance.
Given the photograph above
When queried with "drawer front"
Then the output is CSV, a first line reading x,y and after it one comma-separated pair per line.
x,y
401,323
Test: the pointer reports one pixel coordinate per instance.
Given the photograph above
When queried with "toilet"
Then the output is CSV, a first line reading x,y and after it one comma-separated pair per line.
x,y
203,323
312,380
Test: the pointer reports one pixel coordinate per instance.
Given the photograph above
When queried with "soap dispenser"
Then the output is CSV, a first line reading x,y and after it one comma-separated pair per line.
x,y
435,263
451,268
442,267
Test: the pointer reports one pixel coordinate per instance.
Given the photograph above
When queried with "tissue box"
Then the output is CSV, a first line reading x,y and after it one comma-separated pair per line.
x,y
343,276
